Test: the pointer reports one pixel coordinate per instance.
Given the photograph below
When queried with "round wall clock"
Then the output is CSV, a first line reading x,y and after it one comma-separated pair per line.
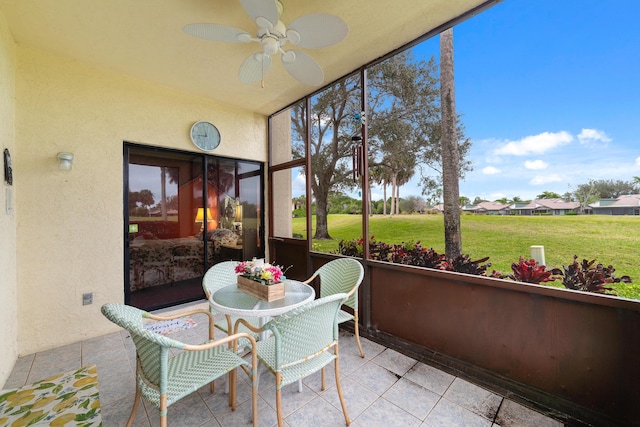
x,y
205,136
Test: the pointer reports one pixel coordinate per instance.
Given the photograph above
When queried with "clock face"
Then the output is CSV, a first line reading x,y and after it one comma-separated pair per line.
x,y
205,136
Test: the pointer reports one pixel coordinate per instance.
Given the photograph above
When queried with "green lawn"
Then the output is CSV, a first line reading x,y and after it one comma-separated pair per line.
x,y
607,239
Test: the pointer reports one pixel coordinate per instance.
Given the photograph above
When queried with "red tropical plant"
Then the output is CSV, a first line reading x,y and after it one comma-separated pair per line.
x,y
585,276
529,271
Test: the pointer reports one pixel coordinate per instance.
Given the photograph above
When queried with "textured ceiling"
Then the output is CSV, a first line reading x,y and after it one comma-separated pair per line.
x,y
144,39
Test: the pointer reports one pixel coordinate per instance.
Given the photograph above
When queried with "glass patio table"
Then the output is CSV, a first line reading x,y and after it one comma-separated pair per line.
x,y
234,302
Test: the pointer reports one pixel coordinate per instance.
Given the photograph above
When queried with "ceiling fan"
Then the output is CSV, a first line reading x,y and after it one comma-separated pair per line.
x,y
312,31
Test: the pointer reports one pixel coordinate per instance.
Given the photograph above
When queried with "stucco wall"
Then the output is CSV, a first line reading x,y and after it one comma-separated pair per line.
x,y
8,287
70,238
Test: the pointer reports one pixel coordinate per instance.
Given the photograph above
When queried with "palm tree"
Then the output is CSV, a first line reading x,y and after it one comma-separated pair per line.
x,y
636,183
516,199
548,195
379,174
450,153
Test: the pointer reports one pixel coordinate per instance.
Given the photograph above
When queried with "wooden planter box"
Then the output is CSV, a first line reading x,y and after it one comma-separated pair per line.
x,y
257,289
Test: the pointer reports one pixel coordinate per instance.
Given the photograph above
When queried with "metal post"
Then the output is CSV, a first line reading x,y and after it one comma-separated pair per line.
x,y
537,253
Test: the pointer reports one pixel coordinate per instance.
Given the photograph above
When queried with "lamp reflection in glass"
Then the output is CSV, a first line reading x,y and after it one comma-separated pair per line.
x,y
237,219
200,217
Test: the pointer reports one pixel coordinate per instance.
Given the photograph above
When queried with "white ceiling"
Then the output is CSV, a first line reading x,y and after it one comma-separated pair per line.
x,y
144,39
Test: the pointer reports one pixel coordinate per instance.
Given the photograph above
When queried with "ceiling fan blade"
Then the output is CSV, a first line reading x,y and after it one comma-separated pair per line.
x,y
303,67
254,67
261,8
318,30
216,33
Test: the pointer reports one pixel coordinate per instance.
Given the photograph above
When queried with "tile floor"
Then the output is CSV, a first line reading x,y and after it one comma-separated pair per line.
x,y
386,388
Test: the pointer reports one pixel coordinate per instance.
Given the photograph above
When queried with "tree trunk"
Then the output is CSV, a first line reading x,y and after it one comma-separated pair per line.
x,y
393,192
450,155
384,197
163,192
369,202
322,228
397,200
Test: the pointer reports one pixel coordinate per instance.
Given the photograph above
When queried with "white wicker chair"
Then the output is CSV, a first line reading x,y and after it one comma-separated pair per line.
x,y
218,276
164,379
342,275
301,344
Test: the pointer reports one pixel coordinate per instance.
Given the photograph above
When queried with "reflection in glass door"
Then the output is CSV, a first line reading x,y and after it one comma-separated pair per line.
x,y
177,226
165,214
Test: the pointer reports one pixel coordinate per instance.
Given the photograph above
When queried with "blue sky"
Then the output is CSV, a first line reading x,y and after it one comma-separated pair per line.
x,y
549,91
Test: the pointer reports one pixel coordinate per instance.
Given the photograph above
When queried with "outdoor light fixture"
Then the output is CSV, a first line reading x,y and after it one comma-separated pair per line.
x,y
65,161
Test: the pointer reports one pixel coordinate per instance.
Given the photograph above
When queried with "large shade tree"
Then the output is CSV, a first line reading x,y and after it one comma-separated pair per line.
x,y
403,124
606,188
331,143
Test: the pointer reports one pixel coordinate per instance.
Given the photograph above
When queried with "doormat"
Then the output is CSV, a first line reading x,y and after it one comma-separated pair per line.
x,y
166,327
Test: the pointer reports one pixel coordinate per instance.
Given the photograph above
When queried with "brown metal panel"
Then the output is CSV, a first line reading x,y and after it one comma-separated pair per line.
x,y
583,348
291,254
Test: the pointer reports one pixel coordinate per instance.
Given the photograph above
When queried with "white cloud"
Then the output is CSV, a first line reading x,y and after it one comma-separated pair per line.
x,y
490,170
535,144
638,161
377,196
535,164
592,135
298,185
545,179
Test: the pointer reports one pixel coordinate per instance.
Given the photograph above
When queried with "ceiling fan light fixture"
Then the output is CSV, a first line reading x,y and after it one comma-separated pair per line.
x,y
270,45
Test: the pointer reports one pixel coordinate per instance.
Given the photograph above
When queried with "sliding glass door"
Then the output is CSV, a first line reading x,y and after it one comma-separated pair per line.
x,y
184,213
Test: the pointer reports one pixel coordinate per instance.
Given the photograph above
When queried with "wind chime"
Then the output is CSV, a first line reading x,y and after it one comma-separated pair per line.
x,y
357,155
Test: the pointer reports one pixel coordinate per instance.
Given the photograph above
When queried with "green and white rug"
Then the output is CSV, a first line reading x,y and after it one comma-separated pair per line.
x,y
69,399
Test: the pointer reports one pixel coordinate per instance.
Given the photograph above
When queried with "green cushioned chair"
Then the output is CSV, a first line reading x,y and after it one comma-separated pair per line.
x,y
301,344
164,379
342,275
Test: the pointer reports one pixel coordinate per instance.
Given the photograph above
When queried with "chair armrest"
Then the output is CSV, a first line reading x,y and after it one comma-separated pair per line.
x,y
177,315
222,341
247,325
233,338
310,279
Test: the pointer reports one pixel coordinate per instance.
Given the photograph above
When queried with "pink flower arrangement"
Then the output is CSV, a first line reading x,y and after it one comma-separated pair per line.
x,y
260,271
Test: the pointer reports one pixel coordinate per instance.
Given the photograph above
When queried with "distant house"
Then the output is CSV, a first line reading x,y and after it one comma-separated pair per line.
x,y
439,207
623,205
556,206
521,208
488,208
544,207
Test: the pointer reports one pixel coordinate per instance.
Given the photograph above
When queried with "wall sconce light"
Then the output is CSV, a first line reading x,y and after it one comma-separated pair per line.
x,y
65,161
